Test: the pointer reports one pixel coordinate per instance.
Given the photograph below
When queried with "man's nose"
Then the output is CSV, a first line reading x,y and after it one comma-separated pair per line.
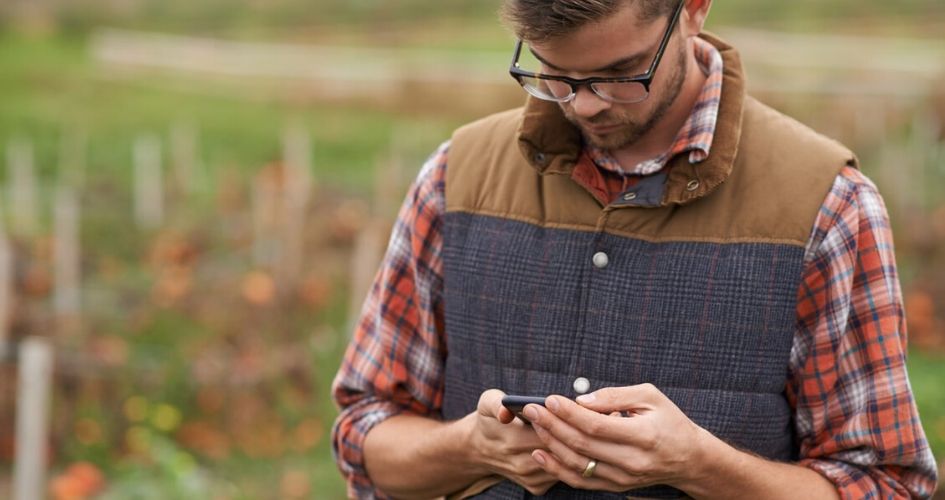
x,y
586,103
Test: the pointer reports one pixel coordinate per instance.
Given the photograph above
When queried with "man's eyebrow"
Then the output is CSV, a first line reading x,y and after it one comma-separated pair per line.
x,y
620,63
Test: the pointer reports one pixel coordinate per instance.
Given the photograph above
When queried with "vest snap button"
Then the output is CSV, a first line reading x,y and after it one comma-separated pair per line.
x,y
539,158
581,385
630,196
693,185
600,260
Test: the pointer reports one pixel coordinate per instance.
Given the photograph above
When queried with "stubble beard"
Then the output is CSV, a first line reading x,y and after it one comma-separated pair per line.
x,y
632,130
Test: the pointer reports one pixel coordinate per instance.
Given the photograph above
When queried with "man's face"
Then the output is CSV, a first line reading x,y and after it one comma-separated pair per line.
x,y
620,45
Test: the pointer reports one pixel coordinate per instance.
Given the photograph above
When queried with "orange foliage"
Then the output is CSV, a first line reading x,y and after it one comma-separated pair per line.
x,y
925,330
38,280
80,481
307,434
210,400
259,288
174,282
204,438
295,484
88,432
315,292
172,248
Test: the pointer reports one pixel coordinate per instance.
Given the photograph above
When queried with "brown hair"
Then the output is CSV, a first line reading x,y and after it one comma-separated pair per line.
x,y
536,20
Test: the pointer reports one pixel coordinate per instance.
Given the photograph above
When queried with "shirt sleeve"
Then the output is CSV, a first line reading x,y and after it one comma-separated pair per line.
x,y
395,360
855,417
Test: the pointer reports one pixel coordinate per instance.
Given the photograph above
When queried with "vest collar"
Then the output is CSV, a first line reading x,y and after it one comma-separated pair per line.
x,y
552,145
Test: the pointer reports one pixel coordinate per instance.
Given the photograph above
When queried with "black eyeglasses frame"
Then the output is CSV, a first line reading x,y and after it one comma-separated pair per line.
x,y
645,79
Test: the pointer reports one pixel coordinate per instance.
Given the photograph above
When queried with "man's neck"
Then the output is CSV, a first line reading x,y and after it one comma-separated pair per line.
x,y
660,138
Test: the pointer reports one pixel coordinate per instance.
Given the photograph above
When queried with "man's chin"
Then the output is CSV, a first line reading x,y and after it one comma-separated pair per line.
x,y
611,140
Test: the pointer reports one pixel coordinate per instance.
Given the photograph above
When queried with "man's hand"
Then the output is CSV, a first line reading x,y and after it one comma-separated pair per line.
x,y
504,444
636,434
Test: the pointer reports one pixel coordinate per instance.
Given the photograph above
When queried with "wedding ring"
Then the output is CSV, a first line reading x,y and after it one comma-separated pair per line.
x,y
589,470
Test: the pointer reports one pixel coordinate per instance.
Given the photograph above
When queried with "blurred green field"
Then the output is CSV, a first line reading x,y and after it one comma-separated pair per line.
x,y
52,88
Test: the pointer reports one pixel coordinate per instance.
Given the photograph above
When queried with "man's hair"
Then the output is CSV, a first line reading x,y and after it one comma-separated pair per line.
x,y
539,20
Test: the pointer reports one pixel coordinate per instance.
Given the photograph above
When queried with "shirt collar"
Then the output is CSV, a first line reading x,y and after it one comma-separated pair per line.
x,y
552,145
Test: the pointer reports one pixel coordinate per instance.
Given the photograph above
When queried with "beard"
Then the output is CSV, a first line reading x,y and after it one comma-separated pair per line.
x,y
631,129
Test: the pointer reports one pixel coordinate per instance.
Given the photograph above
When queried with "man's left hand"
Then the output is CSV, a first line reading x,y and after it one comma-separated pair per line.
x,y
637,436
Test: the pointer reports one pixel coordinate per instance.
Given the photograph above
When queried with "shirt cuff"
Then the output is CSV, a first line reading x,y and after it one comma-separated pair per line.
x,y
854,482
348,434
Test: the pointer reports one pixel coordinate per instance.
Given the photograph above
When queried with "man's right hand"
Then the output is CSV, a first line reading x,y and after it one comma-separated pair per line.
x,y
503,444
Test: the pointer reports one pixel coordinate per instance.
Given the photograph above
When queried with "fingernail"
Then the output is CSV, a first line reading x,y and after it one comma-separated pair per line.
x,y
552,404
586,398
538,457
531,413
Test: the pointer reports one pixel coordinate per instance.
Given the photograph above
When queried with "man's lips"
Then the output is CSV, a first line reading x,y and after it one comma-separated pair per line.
x,y
602,129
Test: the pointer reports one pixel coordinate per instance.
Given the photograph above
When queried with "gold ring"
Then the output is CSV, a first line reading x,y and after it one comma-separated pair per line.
x,y
589,470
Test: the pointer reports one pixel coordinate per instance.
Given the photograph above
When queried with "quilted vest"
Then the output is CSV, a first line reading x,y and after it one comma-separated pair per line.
x,y
693,288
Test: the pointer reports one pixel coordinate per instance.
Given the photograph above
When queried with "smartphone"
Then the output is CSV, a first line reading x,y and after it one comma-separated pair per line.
x,y
516,404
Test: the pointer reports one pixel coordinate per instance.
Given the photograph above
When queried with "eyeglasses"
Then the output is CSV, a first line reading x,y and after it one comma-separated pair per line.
x,y
624,90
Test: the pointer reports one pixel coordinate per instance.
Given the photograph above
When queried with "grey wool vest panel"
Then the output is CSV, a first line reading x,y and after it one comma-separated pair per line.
x,y
709,324
695,293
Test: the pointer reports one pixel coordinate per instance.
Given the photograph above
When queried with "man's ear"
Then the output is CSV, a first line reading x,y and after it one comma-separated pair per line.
x,y
694,15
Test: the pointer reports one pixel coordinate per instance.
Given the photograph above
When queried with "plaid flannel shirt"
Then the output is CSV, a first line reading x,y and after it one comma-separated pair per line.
x,y
855,417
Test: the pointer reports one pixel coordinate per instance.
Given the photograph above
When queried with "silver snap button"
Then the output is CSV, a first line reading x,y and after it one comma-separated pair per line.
x,y
539,158
601,260
630,196
693,185
581,385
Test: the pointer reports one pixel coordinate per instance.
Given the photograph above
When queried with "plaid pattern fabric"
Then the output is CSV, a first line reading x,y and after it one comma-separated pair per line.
x,y
696,134
855,416
395,360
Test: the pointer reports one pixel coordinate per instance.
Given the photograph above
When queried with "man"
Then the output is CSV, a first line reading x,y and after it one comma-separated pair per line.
x,y
720,277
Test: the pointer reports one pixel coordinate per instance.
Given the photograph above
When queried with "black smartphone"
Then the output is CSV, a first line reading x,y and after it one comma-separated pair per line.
x,y
516,404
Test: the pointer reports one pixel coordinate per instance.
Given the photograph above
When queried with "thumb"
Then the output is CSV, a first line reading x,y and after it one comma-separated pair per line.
x,y
490,403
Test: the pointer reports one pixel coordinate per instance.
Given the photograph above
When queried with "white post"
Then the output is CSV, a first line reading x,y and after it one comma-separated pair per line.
x,y
66,213
296,189
185,158
367,254
264,198
297,157
389,179
21,190
72,153
32,418
148,182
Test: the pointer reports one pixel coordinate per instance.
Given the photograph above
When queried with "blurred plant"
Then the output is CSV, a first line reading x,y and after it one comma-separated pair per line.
x,y
79,481
163,470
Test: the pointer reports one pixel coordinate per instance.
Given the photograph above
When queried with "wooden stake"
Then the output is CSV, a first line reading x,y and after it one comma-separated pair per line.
x,y
21,190
185,158
72,154
297,157
297,189
66,296
32,418
367,255
148,182
6,292
389,179
265,247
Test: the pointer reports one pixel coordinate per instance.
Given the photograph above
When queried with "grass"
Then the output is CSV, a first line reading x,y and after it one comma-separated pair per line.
x,y
926,373
50,87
